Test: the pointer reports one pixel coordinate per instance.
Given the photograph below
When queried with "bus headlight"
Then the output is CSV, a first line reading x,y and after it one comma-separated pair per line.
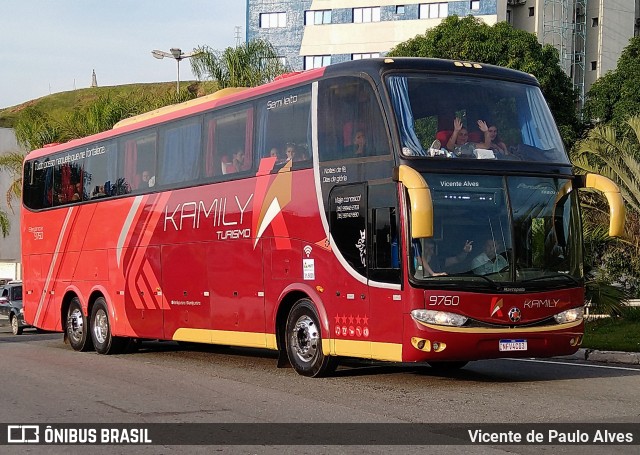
x,y
574,314
438,317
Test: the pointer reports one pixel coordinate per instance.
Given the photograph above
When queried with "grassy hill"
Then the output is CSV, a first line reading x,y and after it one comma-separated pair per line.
x,y
61,103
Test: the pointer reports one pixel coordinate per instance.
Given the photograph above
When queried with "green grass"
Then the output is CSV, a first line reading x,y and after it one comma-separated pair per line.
x,y
57,104
614,334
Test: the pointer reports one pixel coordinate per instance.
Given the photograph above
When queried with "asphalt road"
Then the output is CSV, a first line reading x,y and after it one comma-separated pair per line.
x,y
45,382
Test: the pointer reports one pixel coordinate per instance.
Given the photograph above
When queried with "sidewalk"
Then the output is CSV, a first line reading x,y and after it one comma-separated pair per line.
x,y
593,355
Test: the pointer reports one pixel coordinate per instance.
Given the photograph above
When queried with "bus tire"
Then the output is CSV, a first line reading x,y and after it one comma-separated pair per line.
x,y
77,328
304,342
103,341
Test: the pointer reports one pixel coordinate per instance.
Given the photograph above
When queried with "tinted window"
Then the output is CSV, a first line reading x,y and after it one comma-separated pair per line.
x,y
445,117
228,142
350,121
100,170
179,152
137,166
284,126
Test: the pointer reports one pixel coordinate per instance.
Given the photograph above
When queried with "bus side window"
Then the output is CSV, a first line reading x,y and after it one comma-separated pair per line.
x,y
179,152
137,162
284,132
228,142
350,121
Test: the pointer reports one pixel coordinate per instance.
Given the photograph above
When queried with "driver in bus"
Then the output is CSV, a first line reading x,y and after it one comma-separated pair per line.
x,y
489,261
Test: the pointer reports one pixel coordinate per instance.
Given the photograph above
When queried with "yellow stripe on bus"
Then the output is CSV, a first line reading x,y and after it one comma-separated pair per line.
x,y
226,337
367,349
350,348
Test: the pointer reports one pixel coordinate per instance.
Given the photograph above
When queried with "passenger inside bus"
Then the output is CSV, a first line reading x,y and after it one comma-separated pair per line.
x,y
148,181
497,144
359,146
459,142
428,263
292,152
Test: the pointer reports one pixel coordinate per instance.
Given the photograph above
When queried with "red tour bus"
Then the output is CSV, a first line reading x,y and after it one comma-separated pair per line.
x,y
407,210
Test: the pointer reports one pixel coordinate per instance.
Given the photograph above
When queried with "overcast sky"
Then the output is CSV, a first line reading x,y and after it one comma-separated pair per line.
x,y
51,46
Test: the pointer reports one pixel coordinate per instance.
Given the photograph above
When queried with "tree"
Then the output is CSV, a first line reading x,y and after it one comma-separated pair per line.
x,y
11,163
616,156
471,39
253,63
615,97
605,152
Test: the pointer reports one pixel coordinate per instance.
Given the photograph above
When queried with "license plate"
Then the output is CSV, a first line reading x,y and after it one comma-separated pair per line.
x,y
513,345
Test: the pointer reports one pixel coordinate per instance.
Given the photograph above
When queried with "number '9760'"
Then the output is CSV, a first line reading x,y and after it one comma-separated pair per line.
x,y
444,300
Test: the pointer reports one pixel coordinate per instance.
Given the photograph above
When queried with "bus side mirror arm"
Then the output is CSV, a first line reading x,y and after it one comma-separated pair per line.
x,y
419,198
614,198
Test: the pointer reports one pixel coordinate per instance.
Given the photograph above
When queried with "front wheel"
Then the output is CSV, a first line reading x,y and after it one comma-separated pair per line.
x,y
304,342
15,325
103,341
77,328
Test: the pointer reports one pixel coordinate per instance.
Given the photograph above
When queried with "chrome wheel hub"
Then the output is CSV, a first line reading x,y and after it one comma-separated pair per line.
x,y
100,326
305,338
75,325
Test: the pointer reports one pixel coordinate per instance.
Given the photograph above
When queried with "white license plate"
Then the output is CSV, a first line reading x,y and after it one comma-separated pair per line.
x,y
513,345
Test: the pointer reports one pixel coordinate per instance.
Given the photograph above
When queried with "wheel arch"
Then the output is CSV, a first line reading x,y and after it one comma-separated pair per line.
x,y
287,300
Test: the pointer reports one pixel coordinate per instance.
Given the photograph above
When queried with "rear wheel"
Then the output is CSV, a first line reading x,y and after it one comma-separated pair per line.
x,y
77,328
103,341
304,342
15,325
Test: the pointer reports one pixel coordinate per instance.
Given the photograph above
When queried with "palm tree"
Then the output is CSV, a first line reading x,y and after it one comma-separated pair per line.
x,y
11,163
5,224
604,152
253,63
617,157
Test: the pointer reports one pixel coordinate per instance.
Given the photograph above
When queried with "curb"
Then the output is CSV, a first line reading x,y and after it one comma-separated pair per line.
x,y
593,355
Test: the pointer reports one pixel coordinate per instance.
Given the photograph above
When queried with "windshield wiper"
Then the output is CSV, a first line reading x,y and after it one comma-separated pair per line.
x,y
457,279
555,275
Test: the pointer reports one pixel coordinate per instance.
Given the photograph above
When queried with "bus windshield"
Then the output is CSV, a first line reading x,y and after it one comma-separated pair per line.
x,y
498,231
467,117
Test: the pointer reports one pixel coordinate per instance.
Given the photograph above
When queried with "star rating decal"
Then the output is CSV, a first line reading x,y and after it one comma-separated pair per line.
x,y
351,326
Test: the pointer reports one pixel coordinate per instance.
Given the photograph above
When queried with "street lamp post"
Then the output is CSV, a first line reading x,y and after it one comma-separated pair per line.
x,y
178,55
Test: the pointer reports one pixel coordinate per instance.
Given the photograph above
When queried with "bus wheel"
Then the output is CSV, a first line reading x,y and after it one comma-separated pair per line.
x,y
77,329
447,366
103,341
304,342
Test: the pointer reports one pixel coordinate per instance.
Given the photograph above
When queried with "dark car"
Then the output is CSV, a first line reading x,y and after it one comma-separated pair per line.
x,y
11,305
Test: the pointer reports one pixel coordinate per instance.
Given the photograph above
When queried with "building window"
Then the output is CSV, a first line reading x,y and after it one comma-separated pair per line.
x,y
509,16
366,14
434,10
273,20
594,21
594,66
474,5
365,55
316,61
317,17
532,11
399,9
